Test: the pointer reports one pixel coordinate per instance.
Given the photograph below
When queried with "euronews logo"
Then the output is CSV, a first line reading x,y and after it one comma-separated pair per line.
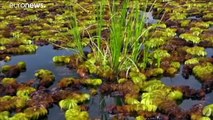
x,y
27,5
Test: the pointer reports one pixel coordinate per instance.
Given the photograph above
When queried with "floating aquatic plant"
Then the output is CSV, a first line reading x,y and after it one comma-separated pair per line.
x,y
46,77
192,61
4,115
8,81
73,114
61,59
68,103
35,112
155,42
204,70
7,103
208,110
25,92
189,37
159,55
19,116
196,51
94,82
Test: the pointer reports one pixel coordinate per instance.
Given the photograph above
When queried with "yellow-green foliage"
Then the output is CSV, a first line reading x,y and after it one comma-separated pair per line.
x,y
196,51
73,100
203,70
19,116
61,59
94,82
35,112
191,61
25,92
8,81
76,114
4,115
189,37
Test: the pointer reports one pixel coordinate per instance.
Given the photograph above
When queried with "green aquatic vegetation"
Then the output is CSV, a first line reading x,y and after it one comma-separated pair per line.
x,y
5,41
3,24
25,92
140,118
20,102
19,116
4,115
65,82
61,59
76,32
158,25
31,18
189,37
2,48
73,100
185,23
208,16
81,97
16,34
155,42
196,31
122,80
137,77
21,65
94,82
175,95
159,55
175,65
7,103
100,22
203,70
196,51
171,71
76,114
131,101
154,72
8,81
42,73
192,61
200,24
5,68
208,110
68,103
116,34
178,16
153,85
35,112
28,48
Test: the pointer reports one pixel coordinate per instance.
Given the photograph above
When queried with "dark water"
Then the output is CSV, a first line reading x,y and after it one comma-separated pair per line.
x,y
178,80
42,60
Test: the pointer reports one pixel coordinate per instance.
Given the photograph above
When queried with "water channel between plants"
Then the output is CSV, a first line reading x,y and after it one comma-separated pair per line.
x,y
43,59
